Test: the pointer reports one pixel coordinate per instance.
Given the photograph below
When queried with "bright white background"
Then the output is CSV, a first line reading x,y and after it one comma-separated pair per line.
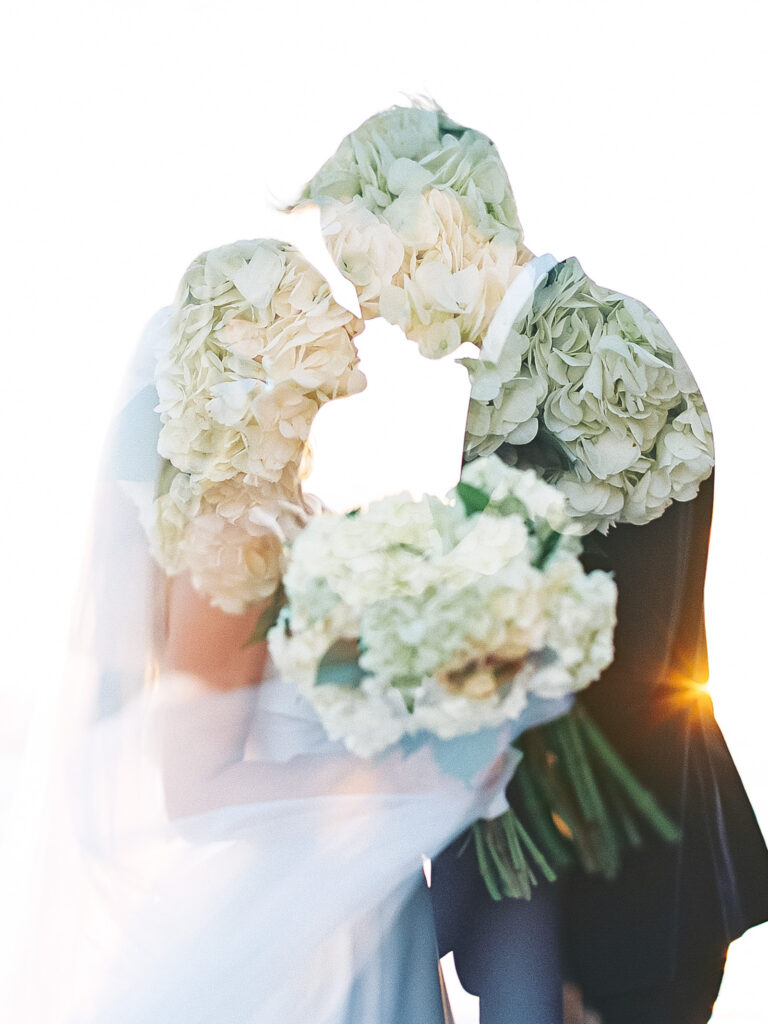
x,y
140,133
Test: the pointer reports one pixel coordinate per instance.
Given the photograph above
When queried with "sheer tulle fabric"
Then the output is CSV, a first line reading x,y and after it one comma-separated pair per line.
x,y
207,856
229,863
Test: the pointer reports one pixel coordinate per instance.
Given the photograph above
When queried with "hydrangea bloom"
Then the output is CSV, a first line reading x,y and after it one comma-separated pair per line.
x,y
589,387
258,345
418,213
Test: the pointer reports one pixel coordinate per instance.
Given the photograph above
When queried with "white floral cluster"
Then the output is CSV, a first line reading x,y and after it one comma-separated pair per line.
x,y
258,345
418,214
447,613
590,382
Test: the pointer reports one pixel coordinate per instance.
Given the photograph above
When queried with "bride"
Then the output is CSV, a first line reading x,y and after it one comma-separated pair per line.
x,y
208,854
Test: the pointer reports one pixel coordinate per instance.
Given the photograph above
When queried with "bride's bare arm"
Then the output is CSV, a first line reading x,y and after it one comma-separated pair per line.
x,y
209,643
208,714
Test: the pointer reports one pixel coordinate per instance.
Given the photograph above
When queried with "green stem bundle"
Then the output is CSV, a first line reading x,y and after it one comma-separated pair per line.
x,y
582,803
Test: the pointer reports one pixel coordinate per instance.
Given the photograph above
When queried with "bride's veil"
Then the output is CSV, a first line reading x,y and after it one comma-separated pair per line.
x,y
117,613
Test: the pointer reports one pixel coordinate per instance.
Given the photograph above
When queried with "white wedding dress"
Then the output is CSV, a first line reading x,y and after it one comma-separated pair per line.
x,y
213,858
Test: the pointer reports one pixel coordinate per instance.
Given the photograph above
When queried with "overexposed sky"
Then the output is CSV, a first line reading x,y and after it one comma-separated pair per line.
x,y
139,134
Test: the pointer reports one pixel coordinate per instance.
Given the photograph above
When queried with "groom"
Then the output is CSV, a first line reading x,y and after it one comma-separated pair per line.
x,y
649,947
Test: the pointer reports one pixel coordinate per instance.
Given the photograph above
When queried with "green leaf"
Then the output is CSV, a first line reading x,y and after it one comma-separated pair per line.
x,y
268,617
512,506
472,498
340,666
340,673
548,547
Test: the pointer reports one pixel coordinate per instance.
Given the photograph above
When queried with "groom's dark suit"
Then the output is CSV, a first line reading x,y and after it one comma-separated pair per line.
x,y
645,947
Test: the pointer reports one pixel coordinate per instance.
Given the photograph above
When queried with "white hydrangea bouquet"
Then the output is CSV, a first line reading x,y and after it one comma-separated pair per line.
x,y
441,616
587,386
